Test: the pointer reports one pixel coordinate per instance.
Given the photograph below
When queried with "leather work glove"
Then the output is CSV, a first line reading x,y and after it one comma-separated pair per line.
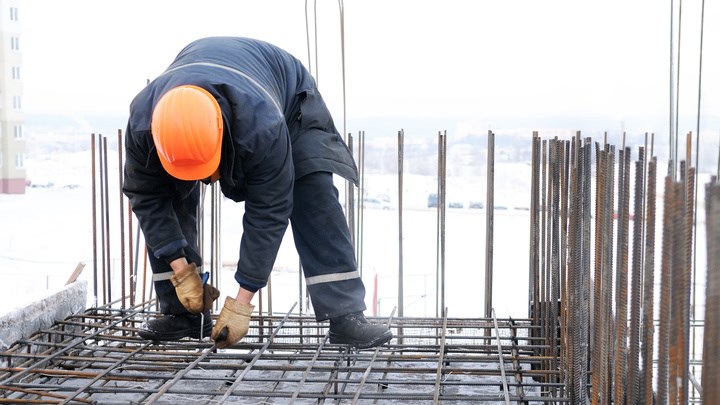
x,y
210,294
189,288
232,324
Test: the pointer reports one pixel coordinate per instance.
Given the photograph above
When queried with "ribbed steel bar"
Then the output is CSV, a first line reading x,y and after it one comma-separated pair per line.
x,y
121,211
574,264
678,289
564,207
554,260
106,201
711,342
687,271
441,190
621,293
544,296
596,325
401,280
489,224
608,248
669,209
586,286
533,282
93,179
648,325
633,376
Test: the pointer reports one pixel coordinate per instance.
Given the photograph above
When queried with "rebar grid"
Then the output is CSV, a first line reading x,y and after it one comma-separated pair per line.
x,y
96,357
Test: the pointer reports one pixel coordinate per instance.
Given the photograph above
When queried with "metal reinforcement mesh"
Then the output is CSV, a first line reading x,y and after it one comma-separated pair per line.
x,y
96,357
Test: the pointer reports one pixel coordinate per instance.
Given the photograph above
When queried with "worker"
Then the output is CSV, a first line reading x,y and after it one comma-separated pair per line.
x,y
247,115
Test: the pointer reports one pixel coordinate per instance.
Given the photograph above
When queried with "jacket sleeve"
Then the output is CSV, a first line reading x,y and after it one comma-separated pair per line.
x,y
268,205
151,192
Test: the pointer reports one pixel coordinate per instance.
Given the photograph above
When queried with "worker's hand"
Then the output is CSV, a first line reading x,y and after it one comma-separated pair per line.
x,y
210,294
232,324
189,288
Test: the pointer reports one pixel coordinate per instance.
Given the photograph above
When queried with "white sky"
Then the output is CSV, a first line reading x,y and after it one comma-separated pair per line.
x,y
479,59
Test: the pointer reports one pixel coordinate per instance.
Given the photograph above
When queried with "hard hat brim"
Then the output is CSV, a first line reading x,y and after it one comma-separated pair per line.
x,y
192,172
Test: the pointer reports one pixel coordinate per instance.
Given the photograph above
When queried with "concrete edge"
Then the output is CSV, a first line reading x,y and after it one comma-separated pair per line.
x,y
42,314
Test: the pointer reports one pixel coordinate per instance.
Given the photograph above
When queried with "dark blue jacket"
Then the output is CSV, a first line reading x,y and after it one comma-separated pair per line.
x,y
276,128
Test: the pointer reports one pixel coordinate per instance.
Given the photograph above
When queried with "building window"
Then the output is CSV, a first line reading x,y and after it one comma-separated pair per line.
x,y
15,43
16,72
17,103
18,131
13,14
19,161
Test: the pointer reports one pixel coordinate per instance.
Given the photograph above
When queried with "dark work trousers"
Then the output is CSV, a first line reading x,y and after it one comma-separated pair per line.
x,y
323,242
186,212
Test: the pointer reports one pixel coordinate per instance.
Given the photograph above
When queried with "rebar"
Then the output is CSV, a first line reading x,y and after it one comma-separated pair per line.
x,y
575,329
293,363
711,343
633,373
648,326
489,221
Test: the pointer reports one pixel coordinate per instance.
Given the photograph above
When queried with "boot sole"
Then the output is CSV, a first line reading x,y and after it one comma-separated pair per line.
x,y
336,338
177,335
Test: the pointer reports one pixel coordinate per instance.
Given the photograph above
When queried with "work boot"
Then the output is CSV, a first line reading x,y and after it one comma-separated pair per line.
x,y
354,330
175,327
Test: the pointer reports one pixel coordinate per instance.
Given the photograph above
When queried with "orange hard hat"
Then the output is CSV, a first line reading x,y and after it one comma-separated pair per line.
x,y
187,130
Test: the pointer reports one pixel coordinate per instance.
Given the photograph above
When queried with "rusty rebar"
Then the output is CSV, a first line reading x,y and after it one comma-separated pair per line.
x,y
711,342
648,324
633,375
621,286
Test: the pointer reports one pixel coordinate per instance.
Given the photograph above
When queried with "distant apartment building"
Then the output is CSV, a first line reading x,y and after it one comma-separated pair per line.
x,y
12,144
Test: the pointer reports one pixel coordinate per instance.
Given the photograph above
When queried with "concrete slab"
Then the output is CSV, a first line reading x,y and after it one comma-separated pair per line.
x,y
22,322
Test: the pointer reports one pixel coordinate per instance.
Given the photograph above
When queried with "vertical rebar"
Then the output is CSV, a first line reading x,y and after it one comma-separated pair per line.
x,y
633,381
106,200
621,293
543,255
665,292
598,319
687,272
121,205
574,279
565,179
648,324
489,218
103,235
442,173
94,219
711,343
584,273
555,259
678,289
361,203
534,239
608,271
401,154
349,204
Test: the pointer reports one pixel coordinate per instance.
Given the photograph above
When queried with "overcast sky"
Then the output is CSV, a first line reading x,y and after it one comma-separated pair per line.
x,y
482,60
